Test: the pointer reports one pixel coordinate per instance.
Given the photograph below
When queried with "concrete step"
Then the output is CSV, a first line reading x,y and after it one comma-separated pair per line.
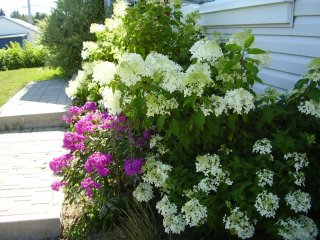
x,y
38,120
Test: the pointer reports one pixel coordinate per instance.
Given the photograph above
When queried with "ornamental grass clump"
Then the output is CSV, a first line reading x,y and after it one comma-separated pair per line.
x,y
218,161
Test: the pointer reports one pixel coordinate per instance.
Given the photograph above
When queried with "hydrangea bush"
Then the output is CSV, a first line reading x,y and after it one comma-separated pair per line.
x,y
223,161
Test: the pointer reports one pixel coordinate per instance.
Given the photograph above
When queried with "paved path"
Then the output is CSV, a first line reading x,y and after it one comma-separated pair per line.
x,y
29,209
38,104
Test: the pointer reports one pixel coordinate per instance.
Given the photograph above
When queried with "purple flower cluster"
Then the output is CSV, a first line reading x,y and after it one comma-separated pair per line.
x,y
88,184
85,125
132,166
100,162
58,164
57,185
141,141
75,112
73,141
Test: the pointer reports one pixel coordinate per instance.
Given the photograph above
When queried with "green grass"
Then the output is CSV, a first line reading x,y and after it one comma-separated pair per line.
x,y
13,80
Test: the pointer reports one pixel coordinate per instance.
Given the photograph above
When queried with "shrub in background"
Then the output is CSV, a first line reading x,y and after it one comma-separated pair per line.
x,y
15,57
66,28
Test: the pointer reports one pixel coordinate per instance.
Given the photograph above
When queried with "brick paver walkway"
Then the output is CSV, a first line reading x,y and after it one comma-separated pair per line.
x,y
29,209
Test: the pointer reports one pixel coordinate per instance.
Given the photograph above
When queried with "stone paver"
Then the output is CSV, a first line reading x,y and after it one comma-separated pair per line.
x,y
25,179
39,104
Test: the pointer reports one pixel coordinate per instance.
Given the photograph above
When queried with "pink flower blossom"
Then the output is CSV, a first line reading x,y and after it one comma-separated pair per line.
x,y
57,185
98,161
88,184
58,164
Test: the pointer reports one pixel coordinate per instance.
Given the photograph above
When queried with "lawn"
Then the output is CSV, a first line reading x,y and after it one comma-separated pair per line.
x,y
13,80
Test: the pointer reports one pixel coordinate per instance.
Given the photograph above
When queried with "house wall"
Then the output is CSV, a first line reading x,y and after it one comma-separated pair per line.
x,y
8,27
288,29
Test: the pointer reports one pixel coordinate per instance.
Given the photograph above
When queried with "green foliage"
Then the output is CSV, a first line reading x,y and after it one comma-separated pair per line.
x,y
15,57
66,28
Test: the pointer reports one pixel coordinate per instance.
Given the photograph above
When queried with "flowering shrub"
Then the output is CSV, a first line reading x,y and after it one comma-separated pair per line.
x,y
224,161
103,162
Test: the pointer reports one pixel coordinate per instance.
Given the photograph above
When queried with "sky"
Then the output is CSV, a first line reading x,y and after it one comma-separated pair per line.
x,y
43,6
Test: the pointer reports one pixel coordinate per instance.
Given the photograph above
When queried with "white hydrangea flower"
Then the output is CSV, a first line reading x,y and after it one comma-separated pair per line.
x,y
207,184
262,146
111,100
211,167
104,72
160,105
172,223
194,212
298,201
240,38
156,142
206,51
197,77
300,160
88,49
88,67
239,223
219,105
300,228
299,178
265,177
144,192
112,23
75,84
239,100
267,204
314,76
155,172
206,110
120,8
96,28
310,107
131,69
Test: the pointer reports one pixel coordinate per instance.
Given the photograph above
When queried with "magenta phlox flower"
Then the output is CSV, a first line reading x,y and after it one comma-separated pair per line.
x,y
88,184
73,141
133,166
147,134
58,164
140,142
121,118
85,125
90,106
100,162
74,110
57,185
107,122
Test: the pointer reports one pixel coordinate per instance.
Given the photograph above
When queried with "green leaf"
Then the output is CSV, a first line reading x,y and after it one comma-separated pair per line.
x,y
301,83
249,41
174,127
314,94
251,67
199,119
161,121
256,51
233,48
229,66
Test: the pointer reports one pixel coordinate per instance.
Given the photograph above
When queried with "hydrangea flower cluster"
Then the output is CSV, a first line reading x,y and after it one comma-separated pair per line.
x,y
211,167
155,172
111,100
160,105
262,146
100,162
238,223
206,51
156,143
298,201
299,159
88,49
299,228
299,178
267,204
265,177
172,221
143,192
104,72
88,184
132,166
310,107
194,212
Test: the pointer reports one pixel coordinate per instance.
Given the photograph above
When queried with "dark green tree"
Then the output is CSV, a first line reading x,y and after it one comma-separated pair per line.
x,y
18,15
39,17
64,31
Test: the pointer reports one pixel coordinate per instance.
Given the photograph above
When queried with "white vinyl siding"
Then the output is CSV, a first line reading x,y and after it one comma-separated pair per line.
x,y
288,29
